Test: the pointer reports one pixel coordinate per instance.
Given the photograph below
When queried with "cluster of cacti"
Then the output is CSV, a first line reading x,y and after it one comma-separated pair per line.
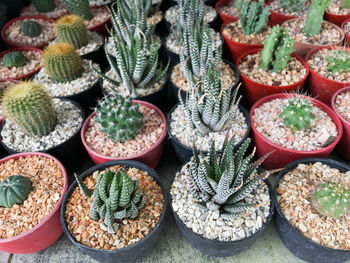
x,y
331,199
278,47
14,190
44,6
79,7
293,5
14,59
345,4
31,28
253,17
338,61
314,18
62,63
71,29
29,105
119,118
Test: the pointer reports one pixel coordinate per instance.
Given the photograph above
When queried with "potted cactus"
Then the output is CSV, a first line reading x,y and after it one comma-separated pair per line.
x,y
338,11
319,236
53,9
228,10
115,197
346,28
282,10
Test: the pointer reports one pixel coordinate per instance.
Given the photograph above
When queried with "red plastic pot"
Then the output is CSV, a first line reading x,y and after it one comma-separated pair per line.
x,y
282,156
224,18
321,87
256,90
150,157
43,14
343,146
103,27
277,18
47,231
347,34
336,19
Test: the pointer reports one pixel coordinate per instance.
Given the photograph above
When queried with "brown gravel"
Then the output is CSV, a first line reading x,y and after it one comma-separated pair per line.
x,y
88,231
149,134
229,9
155,19
335,8
276,6
47,181
100,15
294,197
342,103
59,11
347,28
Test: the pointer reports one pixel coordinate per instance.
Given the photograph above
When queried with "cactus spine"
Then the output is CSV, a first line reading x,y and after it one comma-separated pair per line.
x,y
339,61
293,5
253,17
44,6
14,190
314,18
31,28
14,59
79,7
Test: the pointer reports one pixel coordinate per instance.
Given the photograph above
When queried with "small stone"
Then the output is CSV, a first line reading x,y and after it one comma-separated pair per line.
x,y
249,223
241,233
238,222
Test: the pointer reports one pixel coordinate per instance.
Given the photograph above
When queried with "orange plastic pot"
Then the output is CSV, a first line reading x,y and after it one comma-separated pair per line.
x,y
336,19
347,34
224,18
47,231
282,156
104,26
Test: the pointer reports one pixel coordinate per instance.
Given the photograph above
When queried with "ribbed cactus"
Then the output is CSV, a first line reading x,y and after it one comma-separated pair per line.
x,y
79,7
278,47
253,17
14,59
293,5
71,29
338,61
238,4
314,18
14,190
31,28
62,63
345,4
29,105
331,199
119,118
44,6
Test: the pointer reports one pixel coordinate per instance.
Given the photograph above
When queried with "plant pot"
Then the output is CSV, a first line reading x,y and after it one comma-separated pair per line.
x,y
130,253
150,157
224,18
321,87
282,156
256,91
98,56
336,19
277,18
346,34
297,243
24,9
104,26
47,231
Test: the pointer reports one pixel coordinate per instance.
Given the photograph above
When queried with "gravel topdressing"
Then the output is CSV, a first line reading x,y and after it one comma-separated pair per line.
x,y
59,11
342,103
335,8
277,7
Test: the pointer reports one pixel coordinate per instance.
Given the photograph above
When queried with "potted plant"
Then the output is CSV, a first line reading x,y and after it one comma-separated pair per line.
x,y
294,127
3,86
312,209
272,69
346,28
53,9
128,219
282,10
42,182
338,11
228,10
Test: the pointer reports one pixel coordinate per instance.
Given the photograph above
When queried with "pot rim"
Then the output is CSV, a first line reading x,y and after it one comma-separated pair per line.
x,y
221,3
335,95
103,22
27,6
335,15
343,25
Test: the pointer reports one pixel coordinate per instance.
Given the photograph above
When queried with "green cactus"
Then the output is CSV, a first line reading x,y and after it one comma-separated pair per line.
x,y
238,4
331,199
14,190
79,7
278,47
253,17
31,28
119,118
62,63
83,188
297,114
14,59
293,5
314,18
345,4
29,105
339,61
44,6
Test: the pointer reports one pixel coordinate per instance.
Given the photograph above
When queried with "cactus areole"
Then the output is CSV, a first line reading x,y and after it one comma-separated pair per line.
x,y
14,190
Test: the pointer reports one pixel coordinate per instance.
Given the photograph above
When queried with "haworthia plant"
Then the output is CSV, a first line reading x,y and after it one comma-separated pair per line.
x,y
253,17
314,18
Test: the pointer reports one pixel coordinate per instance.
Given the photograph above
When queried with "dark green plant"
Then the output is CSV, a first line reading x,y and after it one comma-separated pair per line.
x,y
314,18
31,28
338,61
293,5
44,6
79,7
253,17
14,190
14,59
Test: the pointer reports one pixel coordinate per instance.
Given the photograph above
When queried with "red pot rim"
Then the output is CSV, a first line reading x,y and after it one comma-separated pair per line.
x,y
335,15
58,204
112,158
221,3
15,45
103,22
27,6
347,35
335,95
315,103
258,83
278,14
21,49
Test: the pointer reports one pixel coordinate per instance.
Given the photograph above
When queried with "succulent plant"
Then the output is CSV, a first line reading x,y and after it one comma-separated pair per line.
x,y
253,17
339,61
71,29
119,118
314,18
29,105
331,199
345,4
278,47
44,6
31,28
293,5
238,4
79,7
14,190
62,63
14,59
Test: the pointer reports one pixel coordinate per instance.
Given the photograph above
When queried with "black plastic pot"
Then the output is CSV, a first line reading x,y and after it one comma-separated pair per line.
x,y
184,153
296,242
14,6
132,252
98,56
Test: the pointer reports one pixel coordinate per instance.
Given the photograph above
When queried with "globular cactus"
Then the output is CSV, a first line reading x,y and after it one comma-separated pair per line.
x,y
297,114
293,5
29,105
345,4
79,7
339,61
31,28
14,190
278,47
119,118
331,199
314,18
14,59
44,6
253,17
62,63
71,29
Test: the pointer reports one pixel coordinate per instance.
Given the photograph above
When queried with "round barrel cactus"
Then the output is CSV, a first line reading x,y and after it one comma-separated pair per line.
x,y
79,7
14,190
31,28
44,6
14,59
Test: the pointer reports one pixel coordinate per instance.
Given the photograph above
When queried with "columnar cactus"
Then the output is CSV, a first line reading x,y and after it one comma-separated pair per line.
x,y
278,47
31,28
314,18
14,190
293,5
62,63
238,4
29,105
71,29
44,6
253,17
339,61
14,59
79,7
331,199
119,118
